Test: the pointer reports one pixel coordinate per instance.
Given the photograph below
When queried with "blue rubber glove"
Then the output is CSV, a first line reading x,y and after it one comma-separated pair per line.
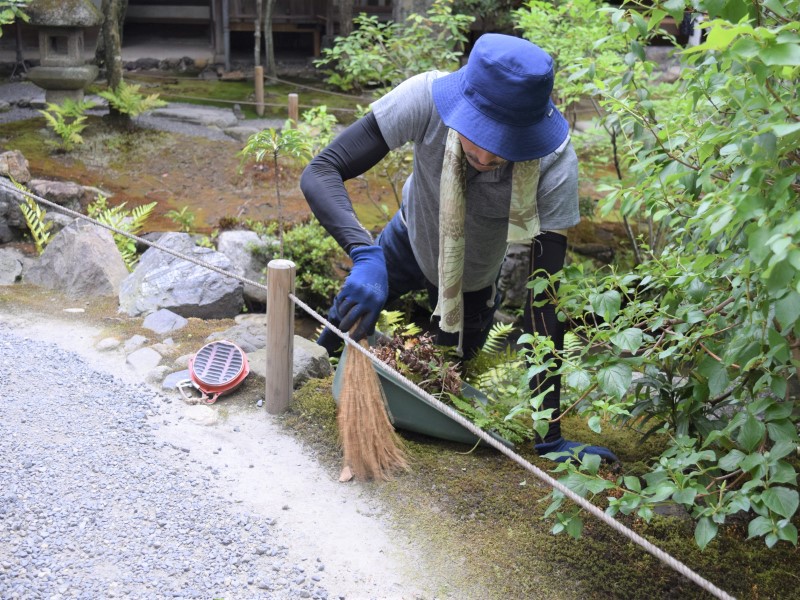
x,y
561,445
364,292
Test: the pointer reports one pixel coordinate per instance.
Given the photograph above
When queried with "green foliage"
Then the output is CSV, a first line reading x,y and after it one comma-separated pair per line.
x,y
11,10
317,126
315,253
269,143
35,219
493,15
699,339
129,221
392,323
183,218
578,35
67,120
127,100
381,55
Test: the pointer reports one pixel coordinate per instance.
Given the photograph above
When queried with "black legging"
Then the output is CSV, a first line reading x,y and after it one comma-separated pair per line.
x,y
548,252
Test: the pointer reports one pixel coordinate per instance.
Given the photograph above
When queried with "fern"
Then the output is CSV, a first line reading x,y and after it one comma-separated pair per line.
x,y
129,221
391,323
127,99
35,219
67,121
495,356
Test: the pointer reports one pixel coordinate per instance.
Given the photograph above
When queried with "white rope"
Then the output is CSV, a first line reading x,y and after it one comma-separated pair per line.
x,y
431,401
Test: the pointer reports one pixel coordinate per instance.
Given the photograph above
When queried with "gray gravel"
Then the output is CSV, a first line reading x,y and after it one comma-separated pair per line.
x,y
92,505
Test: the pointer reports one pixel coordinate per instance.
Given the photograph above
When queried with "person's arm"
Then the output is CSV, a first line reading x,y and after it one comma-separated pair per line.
x,y
355,151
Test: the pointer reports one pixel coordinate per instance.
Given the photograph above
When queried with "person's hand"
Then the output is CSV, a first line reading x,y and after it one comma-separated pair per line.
x,y
364,292
562,450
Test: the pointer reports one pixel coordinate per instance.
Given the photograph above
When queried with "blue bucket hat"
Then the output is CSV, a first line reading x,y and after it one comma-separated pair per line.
x,y
500,100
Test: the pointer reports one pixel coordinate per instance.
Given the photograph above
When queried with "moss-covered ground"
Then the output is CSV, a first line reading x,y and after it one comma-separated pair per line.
x,y
481,509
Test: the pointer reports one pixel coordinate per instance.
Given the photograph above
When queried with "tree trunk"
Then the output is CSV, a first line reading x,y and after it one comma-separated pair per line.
x,y
345,17
100,51
270,70
113,53
257,34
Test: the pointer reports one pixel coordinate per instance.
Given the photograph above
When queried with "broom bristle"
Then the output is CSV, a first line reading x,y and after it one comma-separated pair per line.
x,y
371,447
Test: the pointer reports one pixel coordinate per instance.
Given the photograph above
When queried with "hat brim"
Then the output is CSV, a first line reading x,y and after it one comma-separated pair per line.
x,y
515,143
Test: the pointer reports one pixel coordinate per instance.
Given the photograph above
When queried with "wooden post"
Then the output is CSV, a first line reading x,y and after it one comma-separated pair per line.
x,y
293,108
259,84
280,335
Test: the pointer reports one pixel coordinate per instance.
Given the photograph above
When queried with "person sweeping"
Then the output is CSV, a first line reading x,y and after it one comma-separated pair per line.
x,y
493,164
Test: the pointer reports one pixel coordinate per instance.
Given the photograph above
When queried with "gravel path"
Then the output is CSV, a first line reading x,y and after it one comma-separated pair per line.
x,y
94,505
109,488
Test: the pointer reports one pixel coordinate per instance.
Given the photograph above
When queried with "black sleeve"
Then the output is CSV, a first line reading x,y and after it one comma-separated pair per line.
x,y
354,151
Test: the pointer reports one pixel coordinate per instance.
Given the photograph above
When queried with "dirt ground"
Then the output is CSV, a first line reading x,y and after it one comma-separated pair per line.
x,y
175,170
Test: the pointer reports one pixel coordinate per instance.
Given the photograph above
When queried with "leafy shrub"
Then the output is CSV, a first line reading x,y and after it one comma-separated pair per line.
x,y
316,255
381,55
699,340
183,218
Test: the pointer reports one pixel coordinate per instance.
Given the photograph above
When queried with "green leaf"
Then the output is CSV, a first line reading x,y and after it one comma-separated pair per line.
x,y
685,496
758,527
595,424
785,129
731,461
541,428
590,463
675,8
704,532
787,55
787,532
575,527
632,483
615,379
606,304
628,340
782,472
781,500
787,309
751,433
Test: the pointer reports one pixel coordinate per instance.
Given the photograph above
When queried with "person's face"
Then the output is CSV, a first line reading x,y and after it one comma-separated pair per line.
x,y
480,159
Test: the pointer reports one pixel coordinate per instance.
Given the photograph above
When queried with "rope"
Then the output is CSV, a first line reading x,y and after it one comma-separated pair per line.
x,y
127,234
433,402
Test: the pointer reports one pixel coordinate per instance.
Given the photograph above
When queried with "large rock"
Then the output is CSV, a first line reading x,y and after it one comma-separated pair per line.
x,y
13,264
64,193
82,260
162,280
238,245
309,360
14,166
248,336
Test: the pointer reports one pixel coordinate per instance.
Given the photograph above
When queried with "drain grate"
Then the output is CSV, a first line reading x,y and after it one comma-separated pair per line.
x,y
218,363
218,367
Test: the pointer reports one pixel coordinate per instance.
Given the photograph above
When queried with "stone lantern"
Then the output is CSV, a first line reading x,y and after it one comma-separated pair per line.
x,y
62,72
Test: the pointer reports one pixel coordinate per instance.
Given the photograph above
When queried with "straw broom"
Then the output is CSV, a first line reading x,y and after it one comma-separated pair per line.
x,y
372,449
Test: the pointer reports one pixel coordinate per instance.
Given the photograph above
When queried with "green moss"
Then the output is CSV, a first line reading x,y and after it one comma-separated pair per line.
x,y
225,93
481,514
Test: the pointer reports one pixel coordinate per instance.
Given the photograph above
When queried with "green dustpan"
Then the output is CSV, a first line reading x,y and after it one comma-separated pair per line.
x,y
410,412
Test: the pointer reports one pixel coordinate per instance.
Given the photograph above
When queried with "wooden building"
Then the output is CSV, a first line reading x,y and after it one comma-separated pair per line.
x,y
313,18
